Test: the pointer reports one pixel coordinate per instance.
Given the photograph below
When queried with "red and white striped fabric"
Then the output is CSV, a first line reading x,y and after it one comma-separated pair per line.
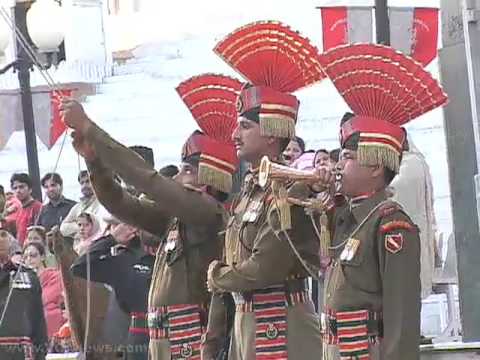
x,y
413,31
48,122
346,25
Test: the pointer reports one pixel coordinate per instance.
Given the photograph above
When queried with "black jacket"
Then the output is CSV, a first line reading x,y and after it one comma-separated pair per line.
x,y
24,320
128,270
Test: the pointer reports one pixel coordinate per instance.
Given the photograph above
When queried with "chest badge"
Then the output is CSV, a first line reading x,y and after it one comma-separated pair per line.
x,y
350,249
143,269
252,212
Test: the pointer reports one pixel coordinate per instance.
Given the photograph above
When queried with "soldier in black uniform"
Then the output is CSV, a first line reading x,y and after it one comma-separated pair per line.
x,y
124,260
23,332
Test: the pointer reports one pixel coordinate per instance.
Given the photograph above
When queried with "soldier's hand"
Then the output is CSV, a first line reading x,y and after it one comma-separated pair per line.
x,y
324,179
74,116
83,147
214,265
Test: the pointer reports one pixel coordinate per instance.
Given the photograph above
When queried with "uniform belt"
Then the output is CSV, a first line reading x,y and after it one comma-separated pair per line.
x,y
157,322
158,319
334,322
22,341
138,323
294,290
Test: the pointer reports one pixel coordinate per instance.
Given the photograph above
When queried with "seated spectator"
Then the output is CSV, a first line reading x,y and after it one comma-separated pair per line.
x,y
322,159
334,156
58,206
88,203
37,234
295,148
9,215
28,213
23,331
88,231
52,298
305,161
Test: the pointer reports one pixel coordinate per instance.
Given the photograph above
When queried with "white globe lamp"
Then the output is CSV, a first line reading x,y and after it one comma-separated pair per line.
x,y
46,25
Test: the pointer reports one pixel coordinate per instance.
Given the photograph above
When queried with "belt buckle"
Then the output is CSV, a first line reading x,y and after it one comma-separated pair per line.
x,y
157,320
153,320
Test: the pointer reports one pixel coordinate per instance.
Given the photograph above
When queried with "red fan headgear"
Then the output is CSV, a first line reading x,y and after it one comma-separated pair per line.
x,y
385,89
212,101
276,61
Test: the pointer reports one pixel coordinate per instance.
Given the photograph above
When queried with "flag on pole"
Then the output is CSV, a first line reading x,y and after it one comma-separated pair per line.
x,y
413,31
49,125
345,25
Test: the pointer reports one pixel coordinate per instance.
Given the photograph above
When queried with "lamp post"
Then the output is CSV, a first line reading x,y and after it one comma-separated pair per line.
x,y
40,23
382,22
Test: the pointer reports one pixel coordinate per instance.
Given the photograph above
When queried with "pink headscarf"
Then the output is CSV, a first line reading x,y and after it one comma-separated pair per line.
x,y
304,162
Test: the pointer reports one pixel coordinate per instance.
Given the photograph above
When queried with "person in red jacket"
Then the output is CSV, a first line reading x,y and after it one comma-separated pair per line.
x,y
21,184
50,281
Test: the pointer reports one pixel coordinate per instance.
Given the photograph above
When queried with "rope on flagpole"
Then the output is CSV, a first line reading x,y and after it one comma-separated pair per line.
x,y
53,86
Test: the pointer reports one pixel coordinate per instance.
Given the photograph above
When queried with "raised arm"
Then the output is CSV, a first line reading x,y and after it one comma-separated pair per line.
x,y
141,213
171,197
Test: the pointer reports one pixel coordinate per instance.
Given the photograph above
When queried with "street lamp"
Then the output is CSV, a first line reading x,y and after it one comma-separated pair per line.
x,y
42,24
46,27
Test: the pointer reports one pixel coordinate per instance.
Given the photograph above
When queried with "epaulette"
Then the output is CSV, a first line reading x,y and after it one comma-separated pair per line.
x,y
397,225
389,208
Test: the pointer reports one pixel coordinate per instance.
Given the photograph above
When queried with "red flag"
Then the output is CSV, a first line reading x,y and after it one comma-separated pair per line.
x,y
335,26
425,35
57,126
346,25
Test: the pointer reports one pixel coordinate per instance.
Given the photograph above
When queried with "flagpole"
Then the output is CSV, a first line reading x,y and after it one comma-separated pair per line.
x,y
382,22
23,66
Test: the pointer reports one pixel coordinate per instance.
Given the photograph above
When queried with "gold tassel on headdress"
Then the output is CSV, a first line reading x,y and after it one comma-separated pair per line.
x,y
220,180
280,194
277,126
378,155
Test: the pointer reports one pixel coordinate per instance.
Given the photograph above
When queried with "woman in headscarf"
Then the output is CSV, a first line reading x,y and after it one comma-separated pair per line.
x,y
88,231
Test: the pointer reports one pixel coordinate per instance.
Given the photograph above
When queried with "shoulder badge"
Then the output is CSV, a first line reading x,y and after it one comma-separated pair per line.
x,y
393,243
389,208
397,225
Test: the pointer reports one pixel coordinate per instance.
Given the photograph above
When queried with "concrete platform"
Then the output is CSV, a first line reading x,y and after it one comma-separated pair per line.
x,y
451,351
